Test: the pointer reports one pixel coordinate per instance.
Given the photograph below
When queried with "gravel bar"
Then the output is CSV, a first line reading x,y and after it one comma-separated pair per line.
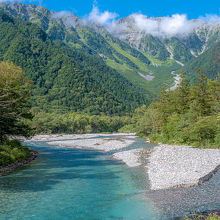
x,y
131,157
172,166
100,144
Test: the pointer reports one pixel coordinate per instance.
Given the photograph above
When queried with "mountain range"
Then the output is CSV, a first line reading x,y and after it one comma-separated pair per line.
x,y
140,63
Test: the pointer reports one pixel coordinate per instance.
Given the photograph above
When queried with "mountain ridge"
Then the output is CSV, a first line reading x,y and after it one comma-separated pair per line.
x,y
66,79
145,60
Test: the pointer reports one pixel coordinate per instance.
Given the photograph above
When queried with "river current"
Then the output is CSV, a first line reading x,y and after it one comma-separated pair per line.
x,y
75,184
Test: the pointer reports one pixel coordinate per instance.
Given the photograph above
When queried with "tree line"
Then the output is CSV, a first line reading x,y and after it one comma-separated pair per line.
x,y
14,112
188,115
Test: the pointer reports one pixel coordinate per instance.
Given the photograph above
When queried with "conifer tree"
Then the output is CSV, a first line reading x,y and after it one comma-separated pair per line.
x,y
14,97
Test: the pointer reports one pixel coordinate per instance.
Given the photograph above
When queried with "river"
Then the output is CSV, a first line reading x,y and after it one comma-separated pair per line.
x,y
76,184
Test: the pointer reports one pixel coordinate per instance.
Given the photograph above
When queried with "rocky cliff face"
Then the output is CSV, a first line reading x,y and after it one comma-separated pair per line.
x,y
165,47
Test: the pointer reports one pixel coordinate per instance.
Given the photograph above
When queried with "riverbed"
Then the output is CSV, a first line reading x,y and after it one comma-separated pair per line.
x,y
79,183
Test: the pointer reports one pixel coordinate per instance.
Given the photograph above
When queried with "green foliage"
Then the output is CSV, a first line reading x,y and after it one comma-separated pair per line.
x,y
128,60
208,61
14,97
52,123
180,51
188,115
12,152
66,79
155,47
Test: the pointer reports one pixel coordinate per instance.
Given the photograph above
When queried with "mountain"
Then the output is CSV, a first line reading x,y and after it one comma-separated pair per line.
x,y
209,62
65,79
148,60
140,68
180,47
199,49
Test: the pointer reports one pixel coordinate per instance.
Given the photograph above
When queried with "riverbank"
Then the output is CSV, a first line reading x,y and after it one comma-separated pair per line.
x,y
12,167
59,137
90,141
173,166
167,166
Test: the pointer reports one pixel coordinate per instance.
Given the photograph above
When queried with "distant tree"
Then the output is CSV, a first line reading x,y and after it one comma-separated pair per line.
x,y
200,94
14,97
182,96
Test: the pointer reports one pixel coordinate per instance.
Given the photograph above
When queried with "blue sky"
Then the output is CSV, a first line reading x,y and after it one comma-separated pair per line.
x,y
156,8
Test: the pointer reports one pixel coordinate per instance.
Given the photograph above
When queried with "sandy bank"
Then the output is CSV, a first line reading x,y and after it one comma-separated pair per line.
x,y
181,166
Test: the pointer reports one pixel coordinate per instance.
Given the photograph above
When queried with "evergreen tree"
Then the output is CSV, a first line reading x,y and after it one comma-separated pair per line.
x,y
182,94
14,100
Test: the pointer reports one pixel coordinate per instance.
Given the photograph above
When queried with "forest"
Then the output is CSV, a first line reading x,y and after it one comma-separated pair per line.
x,y
14,112
48,88
65,79
188,115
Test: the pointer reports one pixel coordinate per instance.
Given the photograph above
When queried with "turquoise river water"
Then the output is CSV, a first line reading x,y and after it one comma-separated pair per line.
x,y
74,184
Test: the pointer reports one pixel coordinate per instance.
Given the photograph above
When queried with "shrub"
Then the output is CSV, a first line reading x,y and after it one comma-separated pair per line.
x,y
12,152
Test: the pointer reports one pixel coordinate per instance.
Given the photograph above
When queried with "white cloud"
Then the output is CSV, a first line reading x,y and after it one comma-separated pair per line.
x,y
69,19
100,18
149,26
167,26
177,25
61,14
210,19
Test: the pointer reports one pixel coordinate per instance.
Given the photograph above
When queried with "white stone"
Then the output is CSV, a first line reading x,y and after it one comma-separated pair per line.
x,y
175,166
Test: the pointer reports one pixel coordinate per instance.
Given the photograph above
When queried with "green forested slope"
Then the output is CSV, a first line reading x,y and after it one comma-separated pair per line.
x,y
93,39
209,62
145,60
65,79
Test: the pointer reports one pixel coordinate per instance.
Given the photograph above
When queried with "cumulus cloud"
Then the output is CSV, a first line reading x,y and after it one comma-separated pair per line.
x,y
101,18
149,26
210,19
175,25
69,19
167,26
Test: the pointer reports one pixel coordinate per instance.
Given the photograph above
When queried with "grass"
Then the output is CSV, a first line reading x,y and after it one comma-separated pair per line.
x,y
142,66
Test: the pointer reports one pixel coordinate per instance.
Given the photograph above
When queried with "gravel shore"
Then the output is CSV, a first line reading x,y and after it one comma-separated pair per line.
x,y
172,166
101,144
130,157
168,166
59,137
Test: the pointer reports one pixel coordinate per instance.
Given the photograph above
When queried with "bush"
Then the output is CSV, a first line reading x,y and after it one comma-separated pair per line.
x,y
204,132
12,152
